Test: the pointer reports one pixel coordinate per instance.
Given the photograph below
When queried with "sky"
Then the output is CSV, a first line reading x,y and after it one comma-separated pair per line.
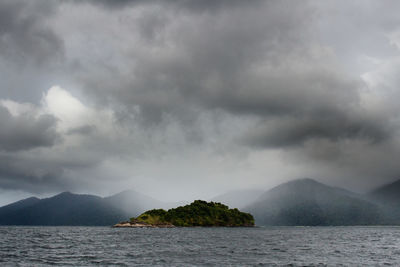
x,y
185,99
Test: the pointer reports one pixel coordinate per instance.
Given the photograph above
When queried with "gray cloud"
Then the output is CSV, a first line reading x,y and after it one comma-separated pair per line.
x,y
35,176
24,36
259,60
191,5
26,132
207,61
31,52
257,84
287,132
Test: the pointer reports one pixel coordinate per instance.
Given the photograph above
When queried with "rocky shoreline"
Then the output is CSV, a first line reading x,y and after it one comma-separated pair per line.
x,y
141,225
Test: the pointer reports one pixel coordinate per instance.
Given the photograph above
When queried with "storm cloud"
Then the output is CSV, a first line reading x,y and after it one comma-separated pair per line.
x,y
207,95
25,37
26,132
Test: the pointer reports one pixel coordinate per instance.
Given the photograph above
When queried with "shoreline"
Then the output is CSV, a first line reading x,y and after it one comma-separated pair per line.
x,y
141,225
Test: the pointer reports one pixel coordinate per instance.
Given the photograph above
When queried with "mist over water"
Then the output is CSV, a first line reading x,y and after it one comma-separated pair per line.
x,y
273,246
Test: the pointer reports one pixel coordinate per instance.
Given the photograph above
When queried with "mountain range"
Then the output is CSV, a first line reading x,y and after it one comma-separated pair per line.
x,y
307,202
76,209
299,202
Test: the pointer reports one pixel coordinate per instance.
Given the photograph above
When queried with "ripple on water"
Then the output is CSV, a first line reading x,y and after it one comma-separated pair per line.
x,y
274,246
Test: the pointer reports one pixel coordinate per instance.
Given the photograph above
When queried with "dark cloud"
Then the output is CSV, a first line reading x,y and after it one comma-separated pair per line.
x,y
30,175
156,87
284,133
209,61
192,5
24,36
50,169
43,173
259,60
26,131
31,52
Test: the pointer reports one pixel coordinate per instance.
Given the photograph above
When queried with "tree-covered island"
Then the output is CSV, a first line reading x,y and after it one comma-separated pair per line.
x,y
198,213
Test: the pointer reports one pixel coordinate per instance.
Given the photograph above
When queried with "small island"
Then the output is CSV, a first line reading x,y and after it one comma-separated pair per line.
x,y
198,213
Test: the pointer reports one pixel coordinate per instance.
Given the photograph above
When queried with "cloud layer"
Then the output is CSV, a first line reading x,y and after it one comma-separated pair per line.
x,y
208,95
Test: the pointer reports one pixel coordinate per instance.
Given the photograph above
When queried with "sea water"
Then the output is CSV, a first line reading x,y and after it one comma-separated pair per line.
x,y
270,246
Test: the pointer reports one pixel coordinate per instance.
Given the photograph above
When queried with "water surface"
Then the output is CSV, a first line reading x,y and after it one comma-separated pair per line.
x,y
274,246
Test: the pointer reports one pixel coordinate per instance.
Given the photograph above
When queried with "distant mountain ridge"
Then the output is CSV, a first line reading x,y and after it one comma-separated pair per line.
x,y
18,205
238,198
76,209
389,193
299,202
387,197
308,202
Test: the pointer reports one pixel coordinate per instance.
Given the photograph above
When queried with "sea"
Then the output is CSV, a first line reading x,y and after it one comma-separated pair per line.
x,y
258,246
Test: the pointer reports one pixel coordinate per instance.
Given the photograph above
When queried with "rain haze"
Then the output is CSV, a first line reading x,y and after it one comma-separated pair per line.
x,y
189,99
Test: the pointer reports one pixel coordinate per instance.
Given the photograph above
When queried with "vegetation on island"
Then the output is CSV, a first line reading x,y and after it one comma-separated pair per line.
x,y
198,213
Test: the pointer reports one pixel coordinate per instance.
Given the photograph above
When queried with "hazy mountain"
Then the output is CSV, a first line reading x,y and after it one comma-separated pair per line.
x,y
299,202
307,202
64,209
75,209
388,199
19,205
134,203
387,194
238,198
